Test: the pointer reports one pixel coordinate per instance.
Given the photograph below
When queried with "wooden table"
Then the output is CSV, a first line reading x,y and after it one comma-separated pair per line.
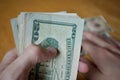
x,y
110,9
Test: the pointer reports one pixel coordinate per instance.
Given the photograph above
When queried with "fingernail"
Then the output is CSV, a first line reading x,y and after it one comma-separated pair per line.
x,y
52,50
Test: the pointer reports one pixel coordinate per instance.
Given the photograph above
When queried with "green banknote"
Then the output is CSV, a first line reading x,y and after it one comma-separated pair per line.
x,y
61,31
15,30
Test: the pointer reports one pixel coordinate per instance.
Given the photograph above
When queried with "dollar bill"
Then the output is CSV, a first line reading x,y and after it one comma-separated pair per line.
x,y
61,31
47,31
15,30
24,17
97,24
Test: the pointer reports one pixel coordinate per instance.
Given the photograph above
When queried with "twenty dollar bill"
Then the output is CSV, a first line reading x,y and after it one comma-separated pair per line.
x,y
63,32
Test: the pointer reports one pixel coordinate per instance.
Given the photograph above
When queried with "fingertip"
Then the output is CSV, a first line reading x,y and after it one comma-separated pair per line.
x,y
39,53
83,67
52,51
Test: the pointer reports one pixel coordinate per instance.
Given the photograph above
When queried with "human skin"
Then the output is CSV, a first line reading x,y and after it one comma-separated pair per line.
x,y
13,67
105,53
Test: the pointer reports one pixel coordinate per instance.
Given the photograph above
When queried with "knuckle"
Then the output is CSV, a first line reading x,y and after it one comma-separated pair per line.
x,y
33,49
8,53
11,51
38,54
33,52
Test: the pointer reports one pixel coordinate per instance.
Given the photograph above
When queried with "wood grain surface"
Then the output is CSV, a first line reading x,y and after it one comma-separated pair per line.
x,y
110,9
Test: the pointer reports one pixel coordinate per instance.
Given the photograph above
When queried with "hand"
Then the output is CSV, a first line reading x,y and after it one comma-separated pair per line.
x,y
105,53
13,67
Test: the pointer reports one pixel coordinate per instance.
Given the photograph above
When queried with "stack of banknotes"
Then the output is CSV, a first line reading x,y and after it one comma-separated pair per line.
x,y
60,30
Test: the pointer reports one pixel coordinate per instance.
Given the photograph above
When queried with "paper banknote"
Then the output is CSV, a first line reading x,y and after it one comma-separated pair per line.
x,y
97,24
60,30
63,32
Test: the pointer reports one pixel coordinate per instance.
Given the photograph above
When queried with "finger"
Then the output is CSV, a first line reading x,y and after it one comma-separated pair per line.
x,y
93,38
110,40
8,59
100,42
115,42
94,73
98,54
32,55
83,67
25,75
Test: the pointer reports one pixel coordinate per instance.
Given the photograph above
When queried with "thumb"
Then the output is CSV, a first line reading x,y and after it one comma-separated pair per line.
x,y
32,55
37,54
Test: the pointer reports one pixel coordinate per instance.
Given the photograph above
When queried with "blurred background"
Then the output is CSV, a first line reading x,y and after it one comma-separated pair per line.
x,y
110,9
